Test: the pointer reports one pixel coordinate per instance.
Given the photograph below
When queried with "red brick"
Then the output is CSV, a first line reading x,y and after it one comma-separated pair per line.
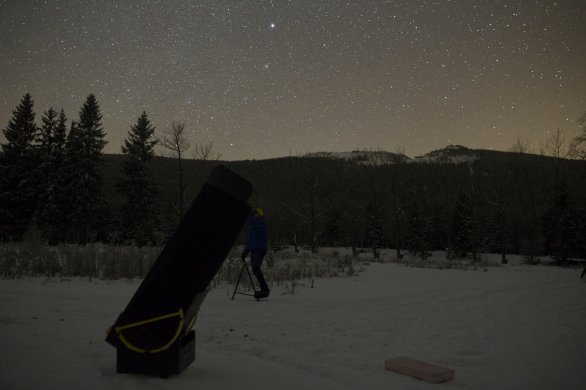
x,y
419,370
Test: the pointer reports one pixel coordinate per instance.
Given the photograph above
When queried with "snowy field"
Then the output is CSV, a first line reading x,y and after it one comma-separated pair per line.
x,y
511,327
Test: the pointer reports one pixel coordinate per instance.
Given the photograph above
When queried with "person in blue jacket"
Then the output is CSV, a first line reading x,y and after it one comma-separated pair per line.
x,y
256,245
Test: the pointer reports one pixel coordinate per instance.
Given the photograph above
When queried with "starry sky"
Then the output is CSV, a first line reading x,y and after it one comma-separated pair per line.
x,y
263,79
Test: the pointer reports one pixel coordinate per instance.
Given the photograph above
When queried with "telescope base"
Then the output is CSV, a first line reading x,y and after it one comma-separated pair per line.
x,y
170,361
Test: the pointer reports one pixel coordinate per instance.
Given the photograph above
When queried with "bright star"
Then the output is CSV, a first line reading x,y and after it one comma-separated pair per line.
x,y
273,26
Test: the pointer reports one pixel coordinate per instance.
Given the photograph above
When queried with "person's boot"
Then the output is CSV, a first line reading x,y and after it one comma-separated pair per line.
x,y
261,294
264,287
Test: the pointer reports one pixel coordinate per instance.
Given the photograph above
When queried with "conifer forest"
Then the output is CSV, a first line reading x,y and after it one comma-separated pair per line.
x,y
57,185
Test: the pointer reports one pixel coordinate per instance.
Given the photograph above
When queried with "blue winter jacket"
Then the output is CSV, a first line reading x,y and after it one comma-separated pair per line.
x,y
257,235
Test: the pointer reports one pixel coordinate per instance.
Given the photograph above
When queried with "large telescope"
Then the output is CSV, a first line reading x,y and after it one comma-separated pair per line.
x,y
153,334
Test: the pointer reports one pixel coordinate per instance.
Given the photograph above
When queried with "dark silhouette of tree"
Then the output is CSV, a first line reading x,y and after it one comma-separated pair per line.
x,y
419,224
578,145
84,147
52,204
306,208
176,142
203,151
140,221
18,166
331,234
555,145
499,198
45,133
464,229
374,212
562,226
397,208
520,146
527,193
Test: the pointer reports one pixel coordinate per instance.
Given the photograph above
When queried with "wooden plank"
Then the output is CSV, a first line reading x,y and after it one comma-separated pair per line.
x,y
419,370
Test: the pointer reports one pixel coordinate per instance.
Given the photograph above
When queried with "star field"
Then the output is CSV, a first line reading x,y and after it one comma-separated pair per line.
x,y
272,78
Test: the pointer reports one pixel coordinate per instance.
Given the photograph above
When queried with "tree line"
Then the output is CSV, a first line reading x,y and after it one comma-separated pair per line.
x,y
55,178
51,177
503,202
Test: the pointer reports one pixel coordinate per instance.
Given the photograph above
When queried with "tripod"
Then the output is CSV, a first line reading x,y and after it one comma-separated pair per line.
x,y
244,267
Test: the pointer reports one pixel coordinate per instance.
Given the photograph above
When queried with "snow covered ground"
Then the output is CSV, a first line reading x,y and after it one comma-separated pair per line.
x,y
512,327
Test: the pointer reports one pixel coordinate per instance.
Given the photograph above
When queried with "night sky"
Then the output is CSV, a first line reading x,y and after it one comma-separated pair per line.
x,y
266,79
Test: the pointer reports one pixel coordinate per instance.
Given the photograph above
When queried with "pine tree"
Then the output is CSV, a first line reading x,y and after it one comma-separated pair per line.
x,y
140,221
420,229
18,164
52,205
48,127
562,226
21,130
60,136
84,182
463,227
45,169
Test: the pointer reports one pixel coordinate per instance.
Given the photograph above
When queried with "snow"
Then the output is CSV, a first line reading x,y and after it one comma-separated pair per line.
x,y
509,327
445,159
452,154
371,158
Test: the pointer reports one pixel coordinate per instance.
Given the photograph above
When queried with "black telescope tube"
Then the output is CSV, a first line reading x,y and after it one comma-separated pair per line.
x,y
178,280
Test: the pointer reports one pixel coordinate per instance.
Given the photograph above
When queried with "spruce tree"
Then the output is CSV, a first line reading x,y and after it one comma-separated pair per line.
x,y
140,221
374,227
419,228
52,205
562,226
83,151
48,127
18,165
463,227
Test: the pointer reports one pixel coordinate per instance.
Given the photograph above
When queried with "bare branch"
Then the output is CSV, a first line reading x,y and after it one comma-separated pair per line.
x,y
294,211
203,151
520,146
578,144
175,140
555,145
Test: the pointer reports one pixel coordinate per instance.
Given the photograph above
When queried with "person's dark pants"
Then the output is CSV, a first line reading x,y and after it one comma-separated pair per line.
x,y
256,259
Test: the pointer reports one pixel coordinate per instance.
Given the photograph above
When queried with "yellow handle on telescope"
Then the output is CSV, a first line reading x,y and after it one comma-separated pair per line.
x,y
132,347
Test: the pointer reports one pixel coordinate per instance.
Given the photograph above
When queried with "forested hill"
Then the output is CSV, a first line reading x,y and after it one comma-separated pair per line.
x,y
469,200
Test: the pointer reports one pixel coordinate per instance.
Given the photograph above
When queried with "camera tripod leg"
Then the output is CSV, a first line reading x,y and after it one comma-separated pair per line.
x,y
244,266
